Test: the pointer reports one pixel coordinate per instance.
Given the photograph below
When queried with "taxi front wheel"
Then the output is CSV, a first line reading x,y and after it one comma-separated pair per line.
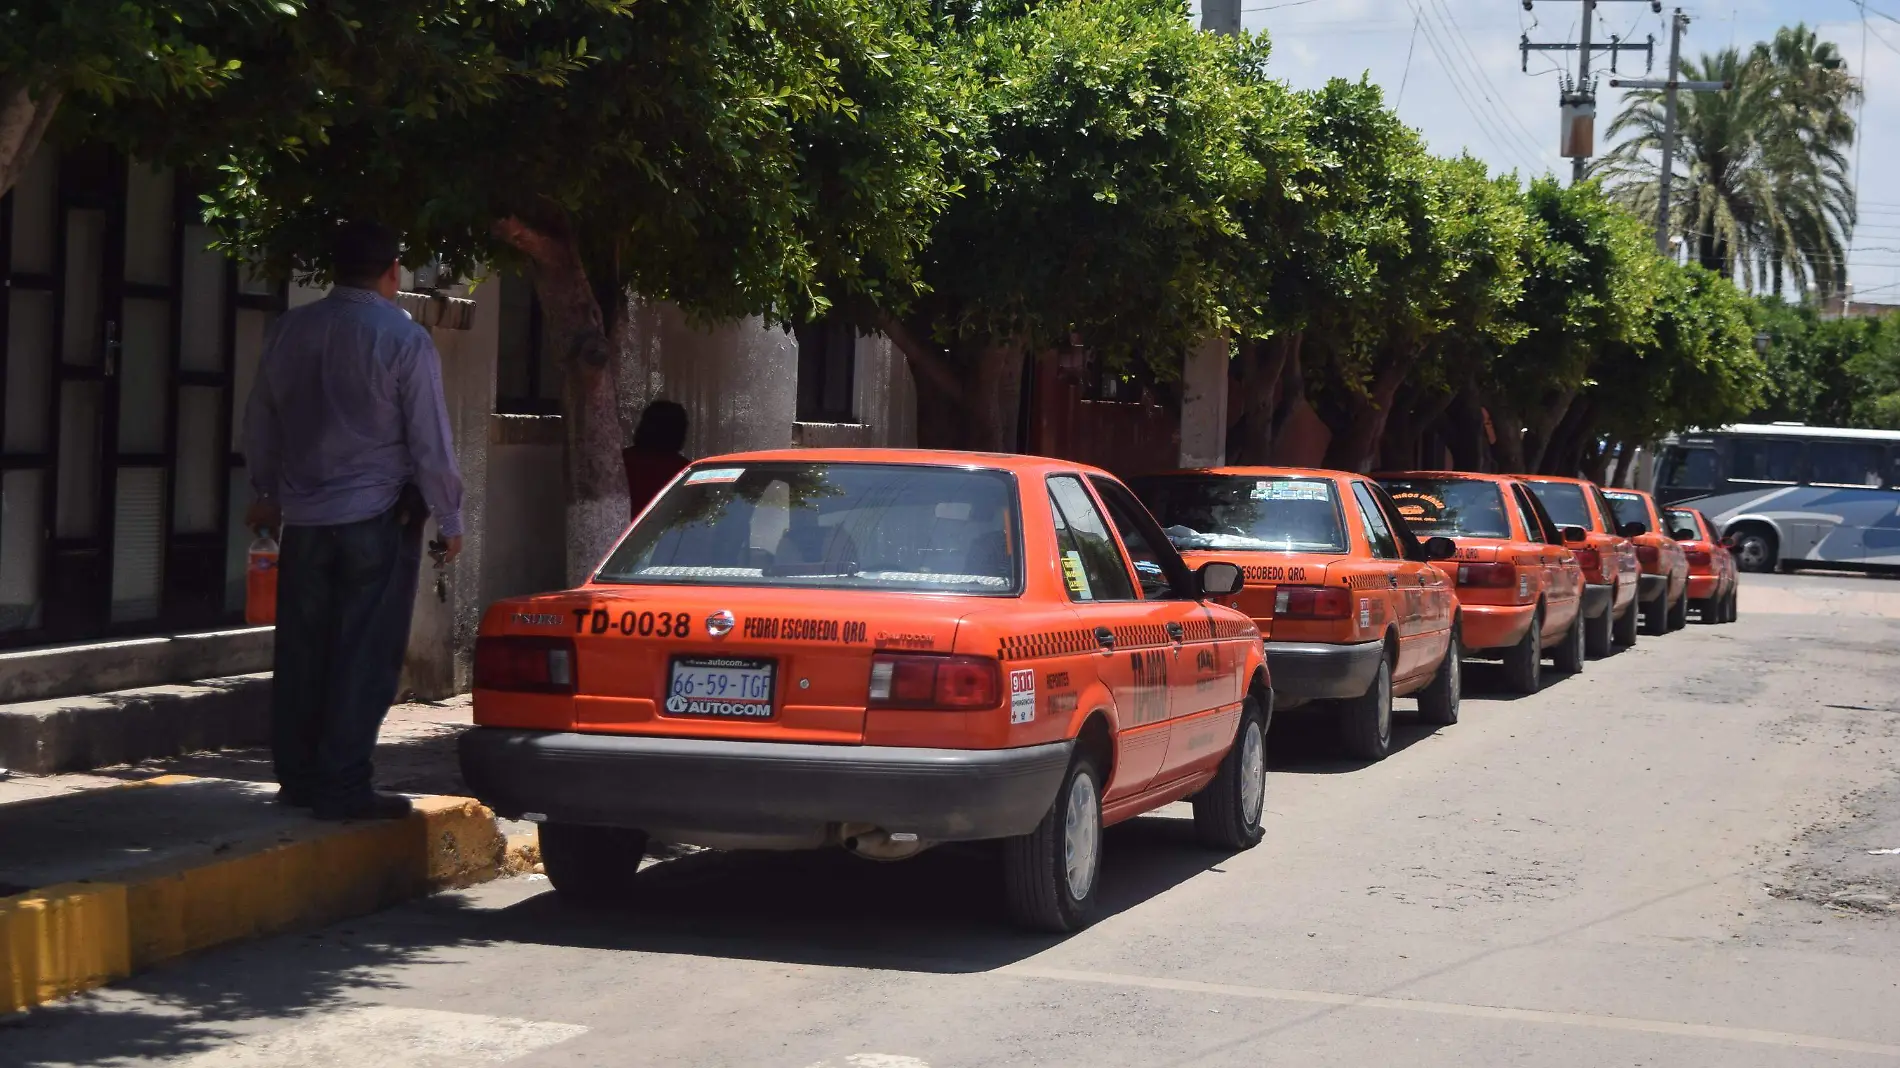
x,y
592,865
1228,810
1050,874
1524,662
1438,702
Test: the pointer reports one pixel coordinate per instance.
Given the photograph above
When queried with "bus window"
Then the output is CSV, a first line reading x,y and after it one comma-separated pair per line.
x,y
1774,460
1845,463
1686,472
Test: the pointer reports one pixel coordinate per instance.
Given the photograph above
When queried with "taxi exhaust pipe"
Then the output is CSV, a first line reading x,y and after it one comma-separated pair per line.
x,y
876,843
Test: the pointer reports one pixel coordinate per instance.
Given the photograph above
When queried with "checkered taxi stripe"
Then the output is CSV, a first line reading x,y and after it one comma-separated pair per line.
x,y
1048,643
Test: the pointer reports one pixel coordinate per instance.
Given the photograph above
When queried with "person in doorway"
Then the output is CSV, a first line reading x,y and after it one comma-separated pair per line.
x,y
346,435
655,455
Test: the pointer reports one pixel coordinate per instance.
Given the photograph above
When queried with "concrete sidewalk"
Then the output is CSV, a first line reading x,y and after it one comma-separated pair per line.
x,y
107,873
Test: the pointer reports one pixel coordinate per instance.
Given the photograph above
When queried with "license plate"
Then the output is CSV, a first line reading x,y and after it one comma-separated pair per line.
x,y
723,688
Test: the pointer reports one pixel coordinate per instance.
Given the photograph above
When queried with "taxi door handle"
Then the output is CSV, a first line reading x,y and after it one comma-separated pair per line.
x,y
1175,632
1105,637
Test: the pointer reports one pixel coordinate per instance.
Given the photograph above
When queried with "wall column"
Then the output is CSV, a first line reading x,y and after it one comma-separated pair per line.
x,y
1204,404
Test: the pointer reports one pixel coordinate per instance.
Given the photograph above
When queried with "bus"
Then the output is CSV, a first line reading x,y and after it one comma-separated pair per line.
x,y
1790,495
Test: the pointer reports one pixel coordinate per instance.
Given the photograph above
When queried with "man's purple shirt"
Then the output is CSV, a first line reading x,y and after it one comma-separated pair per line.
x,y
347,408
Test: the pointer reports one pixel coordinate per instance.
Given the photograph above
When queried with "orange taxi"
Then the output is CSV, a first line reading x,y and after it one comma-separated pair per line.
x,y
1353,611
1712,571
1608,559
1520,591
880,650
1665,577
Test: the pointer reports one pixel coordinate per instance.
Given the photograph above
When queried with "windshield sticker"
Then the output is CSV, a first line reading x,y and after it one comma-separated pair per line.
x,y
1022,696
1415,505
1073,574
1284,490
1613,495
714,474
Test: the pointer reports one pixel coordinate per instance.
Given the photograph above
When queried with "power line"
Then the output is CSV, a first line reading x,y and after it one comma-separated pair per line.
x,y
1407,76
1489,86
1502,143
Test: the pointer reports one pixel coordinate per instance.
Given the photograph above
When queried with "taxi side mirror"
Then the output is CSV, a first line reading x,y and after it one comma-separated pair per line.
x,y
1633,530
1575,535
1728,542
1440,548
1219,578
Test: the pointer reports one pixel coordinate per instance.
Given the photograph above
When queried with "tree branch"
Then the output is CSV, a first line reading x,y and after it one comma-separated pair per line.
x,y
23,123
923,359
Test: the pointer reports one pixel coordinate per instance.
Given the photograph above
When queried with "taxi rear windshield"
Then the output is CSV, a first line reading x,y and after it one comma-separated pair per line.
x,y
1628,509
849,526
1299,515
1681,520
1450,507
1564,502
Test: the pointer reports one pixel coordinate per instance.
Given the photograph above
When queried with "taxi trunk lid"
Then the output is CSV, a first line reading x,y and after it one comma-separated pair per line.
x,y
782,665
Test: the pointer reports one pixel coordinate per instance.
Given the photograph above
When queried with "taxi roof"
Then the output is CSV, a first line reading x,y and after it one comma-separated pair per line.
x,y
1562,478
999,461
1256,472
1470,476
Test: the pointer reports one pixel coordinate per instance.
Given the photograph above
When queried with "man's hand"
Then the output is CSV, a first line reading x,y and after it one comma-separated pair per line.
x,y
265,514
453,543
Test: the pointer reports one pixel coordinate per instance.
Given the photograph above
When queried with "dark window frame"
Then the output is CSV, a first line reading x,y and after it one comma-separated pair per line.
x,y
827,372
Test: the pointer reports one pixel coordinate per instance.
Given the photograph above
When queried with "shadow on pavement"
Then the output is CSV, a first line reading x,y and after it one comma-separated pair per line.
x,y
939,912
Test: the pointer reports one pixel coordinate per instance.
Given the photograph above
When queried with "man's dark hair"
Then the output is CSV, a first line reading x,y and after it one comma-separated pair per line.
x,y
361,251
662,427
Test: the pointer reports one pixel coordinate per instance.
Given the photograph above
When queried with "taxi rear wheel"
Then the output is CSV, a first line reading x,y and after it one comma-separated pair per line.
x,y
1524,662
592,865
1365,722
1679,613
1568,657
1656,615
1050,874
1599,634
1625,629
1228,810
1438,703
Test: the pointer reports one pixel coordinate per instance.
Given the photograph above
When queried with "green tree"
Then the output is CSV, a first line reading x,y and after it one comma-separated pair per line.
x,y
1828,372
1106,150
96,52
737,159
1767,189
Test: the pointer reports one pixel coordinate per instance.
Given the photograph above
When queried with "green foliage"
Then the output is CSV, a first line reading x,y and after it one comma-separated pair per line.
x,y
1698,368
1116,160
1829,372
108,50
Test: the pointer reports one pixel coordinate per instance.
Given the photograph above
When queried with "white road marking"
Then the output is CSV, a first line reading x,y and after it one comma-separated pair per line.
x,y
1480,1012
384,1036
875,1060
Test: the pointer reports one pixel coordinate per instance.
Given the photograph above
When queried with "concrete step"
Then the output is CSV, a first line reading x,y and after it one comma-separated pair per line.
x,y
124,726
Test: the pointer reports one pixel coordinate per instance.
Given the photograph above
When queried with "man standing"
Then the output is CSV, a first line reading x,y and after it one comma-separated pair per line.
x,y
347,440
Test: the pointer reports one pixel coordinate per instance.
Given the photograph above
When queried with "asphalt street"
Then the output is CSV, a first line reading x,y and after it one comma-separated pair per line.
x,y
1663,861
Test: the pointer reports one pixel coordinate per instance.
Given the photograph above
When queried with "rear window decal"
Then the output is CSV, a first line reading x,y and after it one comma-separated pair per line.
x,y
1287,490
714,474
1073,574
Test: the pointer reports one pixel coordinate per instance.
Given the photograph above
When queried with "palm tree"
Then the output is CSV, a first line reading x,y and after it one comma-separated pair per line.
x,y
1765,189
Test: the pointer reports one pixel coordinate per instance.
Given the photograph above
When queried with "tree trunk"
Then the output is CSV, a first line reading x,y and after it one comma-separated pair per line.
x,y
1465,431
1250,441
23,122
1358,446
1564,454
1544,428
967,399
1509,447
587,359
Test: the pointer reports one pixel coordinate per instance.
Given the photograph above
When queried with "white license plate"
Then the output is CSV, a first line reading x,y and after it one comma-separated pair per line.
x,y
721,687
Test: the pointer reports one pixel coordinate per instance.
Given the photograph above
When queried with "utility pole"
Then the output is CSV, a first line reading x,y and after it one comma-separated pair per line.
x,y
1669,86
1220,16
1578,99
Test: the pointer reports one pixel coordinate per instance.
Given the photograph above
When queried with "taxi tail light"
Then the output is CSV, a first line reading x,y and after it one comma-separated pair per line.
x,y
525,664
1588,559
1312,602
1648,555
1501,576
954,683
1697,557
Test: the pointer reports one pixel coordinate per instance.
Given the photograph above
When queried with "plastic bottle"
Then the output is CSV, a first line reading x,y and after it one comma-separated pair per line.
x,y
260,580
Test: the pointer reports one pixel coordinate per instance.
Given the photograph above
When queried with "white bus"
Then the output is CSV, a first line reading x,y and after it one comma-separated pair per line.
x,y
1792,495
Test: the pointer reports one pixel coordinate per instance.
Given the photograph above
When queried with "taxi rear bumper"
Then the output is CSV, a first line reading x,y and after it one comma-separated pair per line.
x,y
1597,599
1310,671
1654,587
1494,626
1702,587
794,794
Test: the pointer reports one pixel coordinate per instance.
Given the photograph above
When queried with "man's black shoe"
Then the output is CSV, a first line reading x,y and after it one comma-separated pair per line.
x,y
371,807
292,798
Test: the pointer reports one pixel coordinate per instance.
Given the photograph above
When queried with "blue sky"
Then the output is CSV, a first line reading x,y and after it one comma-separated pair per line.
x,y
1466,50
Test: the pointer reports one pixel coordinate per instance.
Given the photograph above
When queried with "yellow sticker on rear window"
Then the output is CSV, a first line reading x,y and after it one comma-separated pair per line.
x,y
1073,574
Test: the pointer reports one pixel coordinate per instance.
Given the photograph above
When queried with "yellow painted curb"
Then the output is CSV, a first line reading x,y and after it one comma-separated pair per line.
x,y
64,939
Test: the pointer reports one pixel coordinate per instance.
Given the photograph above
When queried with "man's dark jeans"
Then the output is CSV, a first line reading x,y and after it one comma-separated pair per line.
x,y
344,597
